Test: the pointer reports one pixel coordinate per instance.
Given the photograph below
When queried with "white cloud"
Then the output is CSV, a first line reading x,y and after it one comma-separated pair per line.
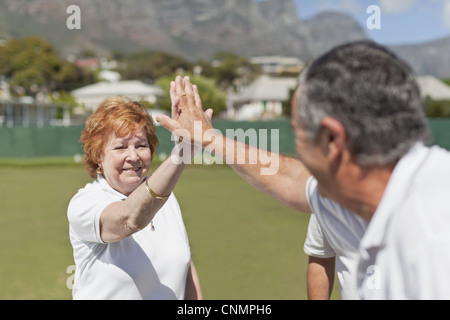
x,y
397,6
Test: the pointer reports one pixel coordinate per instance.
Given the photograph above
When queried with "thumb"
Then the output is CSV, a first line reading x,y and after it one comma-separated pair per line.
x,y
209,113
167,122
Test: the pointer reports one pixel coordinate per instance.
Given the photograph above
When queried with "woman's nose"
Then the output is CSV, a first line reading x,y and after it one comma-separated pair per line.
x,y
132,154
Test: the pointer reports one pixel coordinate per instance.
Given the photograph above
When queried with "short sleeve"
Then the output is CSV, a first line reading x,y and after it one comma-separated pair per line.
x,y
311,186
84,213
316,244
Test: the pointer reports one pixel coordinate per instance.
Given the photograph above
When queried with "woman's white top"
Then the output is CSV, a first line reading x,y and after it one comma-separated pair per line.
x,y
146,265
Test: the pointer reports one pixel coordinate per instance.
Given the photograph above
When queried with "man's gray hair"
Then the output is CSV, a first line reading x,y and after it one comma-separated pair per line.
x,y
372,93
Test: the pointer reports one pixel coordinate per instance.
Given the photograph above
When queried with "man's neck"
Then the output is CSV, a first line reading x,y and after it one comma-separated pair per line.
x,y
362,189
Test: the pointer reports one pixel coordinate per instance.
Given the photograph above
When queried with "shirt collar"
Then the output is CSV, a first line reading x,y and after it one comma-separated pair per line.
x,y
105,186
398,187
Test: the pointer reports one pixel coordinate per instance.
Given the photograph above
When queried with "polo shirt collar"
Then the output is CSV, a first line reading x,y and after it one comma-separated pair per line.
x,y
397,189
110,190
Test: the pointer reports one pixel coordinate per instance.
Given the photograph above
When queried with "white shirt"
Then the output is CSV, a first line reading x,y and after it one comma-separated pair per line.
x,y
405,253
147,265
334,231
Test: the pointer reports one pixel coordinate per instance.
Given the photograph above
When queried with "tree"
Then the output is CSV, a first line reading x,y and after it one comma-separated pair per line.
x,y
229,70
148,66
32,65
211,96
286,106
436,108
71,77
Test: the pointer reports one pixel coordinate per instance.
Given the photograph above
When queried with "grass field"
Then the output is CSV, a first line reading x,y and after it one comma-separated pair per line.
x,y
245,245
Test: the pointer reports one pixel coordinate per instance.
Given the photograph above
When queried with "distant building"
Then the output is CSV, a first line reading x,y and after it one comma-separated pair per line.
x,y
433,88
262,99
92,95
108,75
30,111
4,89
278,64
27,112
88,63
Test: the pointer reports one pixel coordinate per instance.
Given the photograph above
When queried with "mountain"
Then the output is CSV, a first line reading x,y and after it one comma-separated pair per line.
x,y
198,29
430,58
192,28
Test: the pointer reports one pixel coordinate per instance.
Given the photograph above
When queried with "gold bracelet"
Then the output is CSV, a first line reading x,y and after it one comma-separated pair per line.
x,y
153,193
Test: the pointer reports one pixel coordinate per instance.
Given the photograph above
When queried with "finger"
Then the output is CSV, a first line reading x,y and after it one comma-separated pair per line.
x,y
175,100
198,100
188,88
209,113
167,122
175,110
179,89
172,90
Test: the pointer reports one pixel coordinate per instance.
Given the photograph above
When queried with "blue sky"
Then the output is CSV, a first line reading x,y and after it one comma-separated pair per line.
x,y
402,21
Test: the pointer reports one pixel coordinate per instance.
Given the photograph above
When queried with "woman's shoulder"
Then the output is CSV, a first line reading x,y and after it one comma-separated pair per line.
x,y
92,196
90,188
99,188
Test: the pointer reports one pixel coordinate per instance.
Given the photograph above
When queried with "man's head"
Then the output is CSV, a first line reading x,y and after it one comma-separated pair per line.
x,y
371,93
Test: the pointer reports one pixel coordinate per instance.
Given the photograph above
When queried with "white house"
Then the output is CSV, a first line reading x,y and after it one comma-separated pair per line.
x,y
27,111
92,95
278,64
263,98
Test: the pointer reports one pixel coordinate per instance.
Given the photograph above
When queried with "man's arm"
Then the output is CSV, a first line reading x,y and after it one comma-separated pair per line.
x,y
320,278
287,184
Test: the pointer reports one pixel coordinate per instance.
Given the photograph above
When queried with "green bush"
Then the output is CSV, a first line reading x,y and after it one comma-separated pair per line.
x,y
437,108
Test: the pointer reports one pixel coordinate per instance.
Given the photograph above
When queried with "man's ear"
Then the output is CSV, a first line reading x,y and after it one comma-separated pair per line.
x,y
332,138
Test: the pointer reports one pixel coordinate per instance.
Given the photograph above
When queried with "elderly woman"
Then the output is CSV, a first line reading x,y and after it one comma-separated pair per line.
x,y
127,231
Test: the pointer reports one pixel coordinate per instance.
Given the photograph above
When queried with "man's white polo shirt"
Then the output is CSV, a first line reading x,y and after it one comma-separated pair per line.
x,y
405,253
147,265
334,231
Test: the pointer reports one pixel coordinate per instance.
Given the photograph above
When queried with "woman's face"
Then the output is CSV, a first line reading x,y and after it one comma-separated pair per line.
x,y
126,161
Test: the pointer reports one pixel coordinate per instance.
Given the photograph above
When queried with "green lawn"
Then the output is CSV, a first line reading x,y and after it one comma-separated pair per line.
x,y
245,245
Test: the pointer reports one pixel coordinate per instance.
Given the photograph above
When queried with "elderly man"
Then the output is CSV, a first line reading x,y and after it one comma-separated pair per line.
x,y
360,135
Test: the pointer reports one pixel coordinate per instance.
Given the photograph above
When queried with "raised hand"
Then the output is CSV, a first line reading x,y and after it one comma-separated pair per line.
x,y
187,112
